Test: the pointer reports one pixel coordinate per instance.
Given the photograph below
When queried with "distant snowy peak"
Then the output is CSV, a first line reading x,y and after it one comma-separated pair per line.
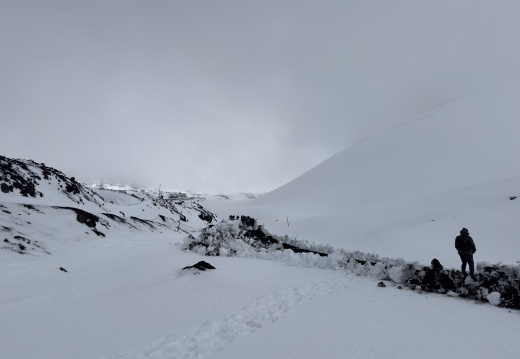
x,y
168,193
27,178
234,196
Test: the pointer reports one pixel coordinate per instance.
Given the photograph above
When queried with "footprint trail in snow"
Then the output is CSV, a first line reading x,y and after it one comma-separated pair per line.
x,y
211,337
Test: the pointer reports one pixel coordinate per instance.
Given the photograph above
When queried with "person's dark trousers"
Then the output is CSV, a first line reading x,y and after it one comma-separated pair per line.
x,y
467,259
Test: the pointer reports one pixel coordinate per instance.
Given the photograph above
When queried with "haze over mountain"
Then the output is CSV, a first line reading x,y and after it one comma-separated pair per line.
x,y
447,148
233,96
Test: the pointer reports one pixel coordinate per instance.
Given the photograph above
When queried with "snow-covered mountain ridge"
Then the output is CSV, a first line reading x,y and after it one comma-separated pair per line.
x,y
168,193
41,206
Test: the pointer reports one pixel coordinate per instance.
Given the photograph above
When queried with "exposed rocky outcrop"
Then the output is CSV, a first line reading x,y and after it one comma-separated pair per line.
x,y
26,176
490,278
22,245
29,222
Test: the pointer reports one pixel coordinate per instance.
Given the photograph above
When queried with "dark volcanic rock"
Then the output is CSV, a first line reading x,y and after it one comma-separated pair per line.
x,y
26,175
22,245
206,217
502,279
200,266
6,188
87,218
445,282
98,233
204,214
84,217
143,221
436,265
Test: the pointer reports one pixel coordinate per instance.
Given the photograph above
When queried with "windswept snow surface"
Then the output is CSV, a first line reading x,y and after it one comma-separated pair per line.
x,y
127,297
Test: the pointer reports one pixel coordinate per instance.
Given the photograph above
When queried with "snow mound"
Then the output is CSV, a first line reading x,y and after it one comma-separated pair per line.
x,y
235,239
494,298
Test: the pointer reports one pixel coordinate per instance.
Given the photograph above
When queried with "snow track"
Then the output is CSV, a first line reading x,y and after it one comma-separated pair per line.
x,y
213,336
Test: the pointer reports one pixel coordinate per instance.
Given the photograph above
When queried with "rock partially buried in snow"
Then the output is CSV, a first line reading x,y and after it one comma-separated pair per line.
x,y
381,284
200,266
494,298
436,265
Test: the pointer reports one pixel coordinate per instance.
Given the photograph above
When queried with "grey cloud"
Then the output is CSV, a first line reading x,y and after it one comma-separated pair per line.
x,y
233,95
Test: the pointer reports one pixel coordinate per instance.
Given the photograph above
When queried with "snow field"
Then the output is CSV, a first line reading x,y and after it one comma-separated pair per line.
x,y
361,320
211,337
126,297
122,294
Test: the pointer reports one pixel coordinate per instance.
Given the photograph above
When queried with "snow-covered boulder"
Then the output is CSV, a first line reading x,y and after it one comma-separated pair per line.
x,y
494,298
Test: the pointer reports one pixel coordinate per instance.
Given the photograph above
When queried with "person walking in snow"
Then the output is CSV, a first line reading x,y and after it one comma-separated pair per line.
x,y
466,247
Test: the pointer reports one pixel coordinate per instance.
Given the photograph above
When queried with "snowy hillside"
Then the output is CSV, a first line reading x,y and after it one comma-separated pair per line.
x,y
451,147
406,192
98,273
41,207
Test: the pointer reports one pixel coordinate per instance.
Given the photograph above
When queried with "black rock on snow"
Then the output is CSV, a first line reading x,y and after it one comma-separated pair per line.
x,y
200,266
497,278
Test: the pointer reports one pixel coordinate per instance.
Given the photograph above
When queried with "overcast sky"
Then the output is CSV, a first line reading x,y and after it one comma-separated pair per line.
x,y
225,96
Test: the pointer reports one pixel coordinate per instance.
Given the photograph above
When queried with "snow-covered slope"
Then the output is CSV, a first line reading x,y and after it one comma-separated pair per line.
x,y
41,207
451,147
127,297
406,192
97,273
403,193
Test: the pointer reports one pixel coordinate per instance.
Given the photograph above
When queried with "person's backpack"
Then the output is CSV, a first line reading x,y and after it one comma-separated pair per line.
x,y
463,243
467,245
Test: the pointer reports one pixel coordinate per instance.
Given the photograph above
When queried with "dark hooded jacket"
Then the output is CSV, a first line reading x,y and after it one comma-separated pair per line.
x,y
464,243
